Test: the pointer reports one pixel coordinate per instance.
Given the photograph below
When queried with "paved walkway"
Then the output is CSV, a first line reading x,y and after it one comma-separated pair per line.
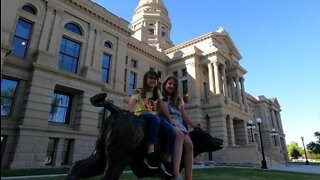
x,y
299,168
291,168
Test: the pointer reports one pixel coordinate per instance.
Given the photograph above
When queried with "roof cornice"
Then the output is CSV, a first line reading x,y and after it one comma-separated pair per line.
x,y
90,9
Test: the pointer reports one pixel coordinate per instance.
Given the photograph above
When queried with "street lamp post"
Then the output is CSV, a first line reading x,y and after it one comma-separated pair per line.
x,y
305,153
263,162
274,134
251,126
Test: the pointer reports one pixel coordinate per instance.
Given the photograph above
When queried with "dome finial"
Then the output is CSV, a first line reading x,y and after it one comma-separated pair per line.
x,y
142,2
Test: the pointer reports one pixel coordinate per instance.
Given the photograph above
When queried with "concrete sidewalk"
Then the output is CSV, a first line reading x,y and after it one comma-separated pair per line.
x,y
290,168
298,168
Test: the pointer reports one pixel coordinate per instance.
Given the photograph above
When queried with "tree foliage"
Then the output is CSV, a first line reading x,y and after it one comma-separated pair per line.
x,y
6,100
314,147
294,150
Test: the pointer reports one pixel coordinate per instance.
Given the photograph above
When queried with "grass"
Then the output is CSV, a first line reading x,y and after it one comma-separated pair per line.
x,y
217,173
30,172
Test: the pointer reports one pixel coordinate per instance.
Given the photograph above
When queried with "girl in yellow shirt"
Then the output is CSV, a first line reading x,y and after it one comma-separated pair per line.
x,y
145,101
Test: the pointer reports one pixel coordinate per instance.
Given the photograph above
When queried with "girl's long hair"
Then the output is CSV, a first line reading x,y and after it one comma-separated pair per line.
x,y
145,87
175,95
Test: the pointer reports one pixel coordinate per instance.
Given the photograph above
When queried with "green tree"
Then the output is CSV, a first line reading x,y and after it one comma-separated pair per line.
x,y
314,147
294,150
6,100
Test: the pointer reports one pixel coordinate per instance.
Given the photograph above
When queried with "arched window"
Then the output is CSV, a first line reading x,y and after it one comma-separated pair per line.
x,y
21,38
108,44
163,31
151,29
73,28
29,9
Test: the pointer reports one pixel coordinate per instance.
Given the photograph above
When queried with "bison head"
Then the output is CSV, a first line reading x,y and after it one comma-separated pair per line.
x,y
204,142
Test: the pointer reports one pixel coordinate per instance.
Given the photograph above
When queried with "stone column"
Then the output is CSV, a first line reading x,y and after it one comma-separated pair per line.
x,y
280,122
47,28
217,78
57,159
238,90
231,141
232,88
90,46
9,21
55,33
274,119
8,24
211,81
97,55
90,69
4,52
225,87
120,63
243,93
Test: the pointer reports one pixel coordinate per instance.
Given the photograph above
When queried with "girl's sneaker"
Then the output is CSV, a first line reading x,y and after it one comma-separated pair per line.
x,y
151,161
167,168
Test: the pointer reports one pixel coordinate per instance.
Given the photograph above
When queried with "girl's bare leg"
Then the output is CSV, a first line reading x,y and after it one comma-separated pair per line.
x,y
188,157
178,145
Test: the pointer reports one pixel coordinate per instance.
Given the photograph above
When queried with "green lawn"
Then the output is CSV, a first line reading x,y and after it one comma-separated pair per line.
x,y
217,173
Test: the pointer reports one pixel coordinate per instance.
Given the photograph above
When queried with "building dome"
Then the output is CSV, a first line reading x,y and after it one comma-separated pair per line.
x,y
151,24
143,2
153,4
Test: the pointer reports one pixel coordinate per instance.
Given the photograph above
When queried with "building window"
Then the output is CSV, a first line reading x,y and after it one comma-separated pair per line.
x,y
163,32
60,108
21,38
132,82
106,68
65,154
8,91
175,73
51,150
3,139
69,55
125,80
184,72
108,44
134,63
185,91
151,31
29,9
159,74
73,28
3,144
205,90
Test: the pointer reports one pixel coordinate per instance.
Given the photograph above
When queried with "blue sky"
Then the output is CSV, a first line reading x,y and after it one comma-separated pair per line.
x,y
279,41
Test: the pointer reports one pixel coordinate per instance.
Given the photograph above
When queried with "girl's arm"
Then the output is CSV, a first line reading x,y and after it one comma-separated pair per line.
x,y
133,100
186,118
164,109
131,103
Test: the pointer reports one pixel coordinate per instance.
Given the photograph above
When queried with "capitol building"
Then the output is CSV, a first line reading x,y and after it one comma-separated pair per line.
x,y
56,54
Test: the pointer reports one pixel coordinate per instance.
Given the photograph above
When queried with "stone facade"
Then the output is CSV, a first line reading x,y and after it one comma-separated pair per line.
x,y
210,75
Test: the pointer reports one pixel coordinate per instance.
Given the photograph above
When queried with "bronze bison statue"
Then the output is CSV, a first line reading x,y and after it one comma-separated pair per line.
x,y
121,143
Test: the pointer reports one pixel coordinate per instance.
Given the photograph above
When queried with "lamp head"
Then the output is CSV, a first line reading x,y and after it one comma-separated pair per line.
x,y
258,120
274,132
